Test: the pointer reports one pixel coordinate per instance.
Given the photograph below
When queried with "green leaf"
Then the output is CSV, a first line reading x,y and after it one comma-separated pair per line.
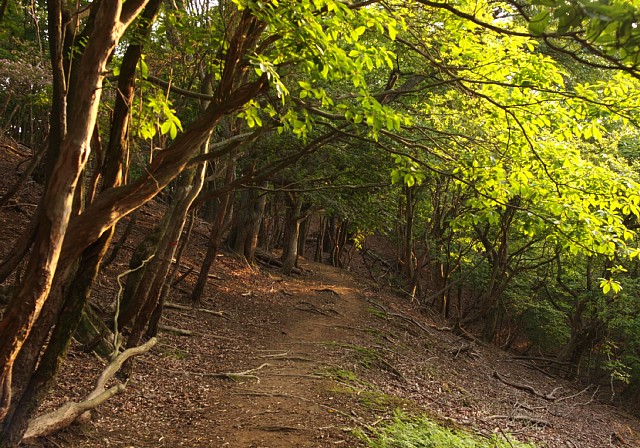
x,y
393,32
539,23
356,33
166,126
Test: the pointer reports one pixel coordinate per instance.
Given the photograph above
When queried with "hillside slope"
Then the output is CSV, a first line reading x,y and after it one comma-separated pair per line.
x,y
318,356
305,361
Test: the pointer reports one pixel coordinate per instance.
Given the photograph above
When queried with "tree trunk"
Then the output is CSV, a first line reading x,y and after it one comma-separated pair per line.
x,y
190,185
304,233
243,237
581,340
48,367
215,237
32,293
110,206
154,320
123,239
291,232
21,247
317,256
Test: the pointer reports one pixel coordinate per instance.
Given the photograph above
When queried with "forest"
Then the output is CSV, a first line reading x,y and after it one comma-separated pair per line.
x,y
479,158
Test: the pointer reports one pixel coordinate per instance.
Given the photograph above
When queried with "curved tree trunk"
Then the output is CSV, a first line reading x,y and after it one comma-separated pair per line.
x,y
32,293
77,293
48,367
61,239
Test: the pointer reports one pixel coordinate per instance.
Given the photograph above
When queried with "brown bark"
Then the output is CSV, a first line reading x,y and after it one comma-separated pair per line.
x,y
45,376
291,232
215,237
243,237
143,258
150,296
19,318
122,241
169,282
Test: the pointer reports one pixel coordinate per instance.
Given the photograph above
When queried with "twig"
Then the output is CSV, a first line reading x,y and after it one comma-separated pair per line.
x,y
247,374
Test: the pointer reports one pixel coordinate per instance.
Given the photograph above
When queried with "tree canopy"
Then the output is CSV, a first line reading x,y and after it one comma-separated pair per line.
x,y
494,143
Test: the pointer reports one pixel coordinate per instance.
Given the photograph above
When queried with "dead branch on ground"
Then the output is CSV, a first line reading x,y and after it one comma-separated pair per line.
x,y
401,316
237,376
71,411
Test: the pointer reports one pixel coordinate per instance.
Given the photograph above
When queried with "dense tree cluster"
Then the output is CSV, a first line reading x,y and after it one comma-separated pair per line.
x,y
494,144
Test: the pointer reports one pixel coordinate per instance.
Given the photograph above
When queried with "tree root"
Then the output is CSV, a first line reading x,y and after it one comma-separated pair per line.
x,y
234,376
70,412
308,307
177,306
521,418
176,330
525,387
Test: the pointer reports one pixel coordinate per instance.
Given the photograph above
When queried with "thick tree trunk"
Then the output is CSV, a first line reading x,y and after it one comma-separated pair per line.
x,y
69,317
24,309
79,290
113,204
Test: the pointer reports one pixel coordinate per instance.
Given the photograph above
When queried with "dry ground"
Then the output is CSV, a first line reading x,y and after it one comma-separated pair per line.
x,y
302,361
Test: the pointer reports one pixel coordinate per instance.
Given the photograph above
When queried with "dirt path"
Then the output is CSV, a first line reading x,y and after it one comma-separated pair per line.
x,y
286,339
317,358
290,406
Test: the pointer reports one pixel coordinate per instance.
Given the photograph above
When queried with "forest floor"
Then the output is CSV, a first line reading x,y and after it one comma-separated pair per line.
x,y
306,361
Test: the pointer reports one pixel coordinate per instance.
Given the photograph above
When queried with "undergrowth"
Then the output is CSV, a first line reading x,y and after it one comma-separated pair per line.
x,y
420,432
